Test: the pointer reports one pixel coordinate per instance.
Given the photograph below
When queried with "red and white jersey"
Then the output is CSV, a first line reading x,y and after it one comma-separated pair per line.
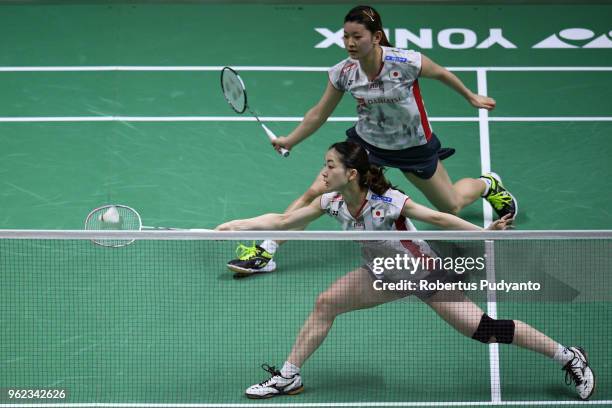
x,y
378,213
390,109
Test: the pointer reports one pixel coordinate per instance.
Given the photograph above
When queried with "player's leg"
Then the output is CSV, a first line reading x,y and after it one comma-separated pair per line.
x,y
451,198
351,292
260,258
470,320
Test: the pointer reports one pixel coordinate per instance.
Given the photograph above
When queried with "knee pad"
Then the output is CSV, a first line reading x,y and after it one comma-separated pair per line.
x,y
502,330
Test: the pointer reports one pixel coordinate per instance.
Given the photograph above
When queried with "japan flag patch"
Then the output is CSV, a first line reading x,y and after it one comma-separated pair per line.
x,y
378,215
395,74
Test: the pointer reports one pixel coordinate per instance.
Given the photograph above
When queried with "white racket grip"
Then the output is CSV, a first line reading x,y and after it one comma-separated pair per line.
x,y
283,152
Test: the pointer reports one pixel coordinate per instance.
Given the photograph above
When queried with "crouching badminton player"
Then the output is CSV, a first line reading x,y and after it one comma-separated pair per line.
x,y
360,197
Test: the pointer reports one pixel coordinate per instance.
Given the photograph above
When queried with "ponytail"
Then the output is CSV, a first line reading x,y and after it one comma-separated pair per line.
x,y
376,181
384,41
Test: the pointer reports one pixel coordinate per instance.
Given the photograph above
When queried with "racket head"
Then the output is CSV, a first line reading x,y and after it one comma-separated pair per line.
x,y
233,89
113,217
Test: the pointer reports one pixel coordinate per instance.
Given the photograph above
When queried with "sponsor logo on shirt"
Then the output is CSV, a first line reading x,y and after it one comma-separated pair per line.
x,y
395,59
384,199
382,100
358,225
363,102
376,85
348,67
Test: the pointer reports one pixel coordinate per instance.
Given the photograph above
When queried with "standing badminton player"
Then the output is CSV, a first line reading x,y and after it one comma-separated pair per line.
x,y
392,126
359,197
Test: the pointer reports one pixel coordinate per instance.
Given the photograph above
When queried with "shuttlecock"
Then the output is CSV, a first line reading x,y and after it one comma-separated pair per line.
x,y
110,216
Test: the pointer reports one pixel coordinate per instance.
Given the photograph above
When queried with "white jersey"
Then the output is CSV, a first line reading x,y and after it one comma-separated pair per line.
x,y
391,113
378,213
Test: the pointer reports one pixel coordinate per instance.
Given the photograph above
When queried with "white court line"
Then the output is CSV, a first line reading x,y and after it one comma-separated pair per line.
x,y
311,405
541,69
161,68
194,119
104,68
487,214
283,119
551,119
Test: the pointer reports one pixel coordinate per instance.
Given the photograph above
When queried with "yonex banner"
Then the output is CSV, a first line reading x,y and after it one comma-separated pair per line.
x,y
453,35
463,38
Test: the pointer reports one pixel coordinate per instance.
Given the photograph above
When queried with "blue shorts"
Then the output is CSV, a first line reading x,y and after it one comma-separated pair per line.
x,y
422,160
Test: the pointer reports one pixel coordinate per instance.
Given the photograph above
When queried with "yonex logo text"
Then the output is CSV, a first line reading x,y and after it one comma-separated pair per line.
x,y
465,38
381,198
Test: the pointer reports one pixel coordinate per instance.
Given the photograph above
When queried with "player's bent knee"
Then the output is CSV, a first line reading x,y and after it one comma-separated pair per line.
x,y
325,303
450,209
454,210
494,331
450,206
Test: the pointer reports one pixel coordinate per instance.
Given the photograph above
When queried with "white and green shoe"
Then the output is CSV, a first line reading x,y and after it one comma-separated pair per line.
x,y
502,201
250,260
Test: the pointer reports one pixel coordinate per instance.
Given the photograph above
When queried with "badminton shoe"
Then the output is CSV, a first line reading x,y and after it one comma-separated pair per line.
x,y
577,371
275,385
251,259
500,199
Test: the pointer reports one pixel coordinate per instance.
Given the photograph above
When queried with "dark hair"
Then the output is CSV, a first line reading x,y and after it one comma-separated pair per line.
x,y
353,156
370,18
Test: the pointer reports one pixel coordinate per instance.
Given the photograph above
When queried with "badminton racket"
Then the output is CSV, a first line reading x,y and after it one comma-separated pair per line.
x,y
235,94
117,217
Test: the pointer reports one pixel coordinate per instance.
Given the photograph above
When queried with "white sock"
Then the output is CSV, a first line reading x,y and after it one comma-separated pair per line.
x,y
563,355
488,186
270,246
289,370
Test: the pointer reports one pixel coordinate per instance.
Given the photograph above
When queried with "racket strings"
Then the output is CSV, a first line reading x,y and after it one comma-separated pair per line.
x,y
124,218
113,218
129,219
233,90
235,94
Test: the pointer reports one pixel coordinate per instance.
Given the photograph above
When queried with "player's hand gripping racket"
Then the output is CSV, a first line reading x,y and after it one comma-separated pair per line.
x,y
235,94
117,217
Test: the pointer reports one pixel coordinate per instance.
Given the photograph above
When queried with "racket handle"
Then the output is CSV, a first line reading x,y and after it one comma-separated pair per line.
x,y
283,152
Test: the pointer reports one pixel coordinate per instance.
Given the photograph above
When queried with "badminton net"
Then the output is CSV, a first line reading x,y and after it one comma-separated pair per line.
x,y
164,321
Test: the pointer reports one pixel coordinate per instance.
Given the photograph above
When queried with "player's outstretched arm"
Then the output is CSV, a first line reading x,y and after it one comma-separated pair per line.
x,y
448,221
292,220
430,69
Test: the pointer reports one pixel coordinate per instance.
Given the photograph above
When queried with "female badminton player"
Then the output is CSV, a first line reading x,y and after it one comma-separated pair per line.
x,y
359,197
392,126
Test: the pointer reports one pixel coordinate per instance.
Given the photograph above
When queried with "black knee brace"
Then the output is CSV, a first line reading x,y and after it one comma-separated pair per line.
x,y
502,330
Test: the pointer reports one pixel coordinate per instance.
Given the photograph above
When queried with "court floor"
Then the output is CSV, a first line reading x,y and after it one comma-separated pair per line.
x,y
121,103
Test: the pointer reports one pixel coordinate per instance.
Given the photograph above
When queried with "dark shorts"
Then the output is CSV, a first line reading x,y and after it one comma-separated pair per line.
x,y
422,161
